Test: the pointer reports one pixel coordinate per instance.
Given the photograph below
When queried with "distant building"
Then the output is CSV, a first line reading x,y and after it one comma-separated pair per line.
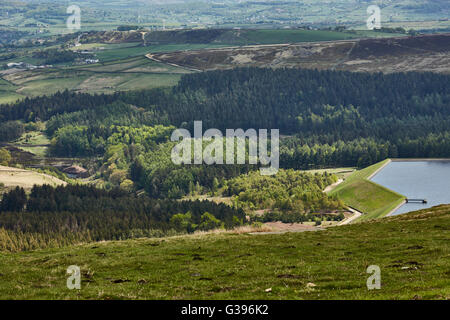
x,y
15,64
90,61
24,65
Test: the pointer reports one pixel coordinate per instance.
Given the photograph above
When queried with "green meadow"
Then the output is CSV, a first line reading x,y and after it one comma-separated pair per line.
x,y
411,250
8,93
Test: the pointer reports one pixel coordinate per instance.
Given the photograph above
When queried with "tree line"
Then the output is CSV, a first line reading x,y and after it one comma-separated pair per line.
x,y
107,214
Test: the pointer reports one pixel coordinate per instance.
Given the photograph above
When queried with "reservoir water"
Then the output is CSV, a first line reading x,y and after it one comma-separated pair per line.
x,y
428,180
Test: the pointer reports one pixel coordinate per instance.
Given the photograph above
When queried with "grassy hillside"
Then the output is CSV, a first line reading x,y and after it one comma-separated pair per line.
x,y
412,251
358,192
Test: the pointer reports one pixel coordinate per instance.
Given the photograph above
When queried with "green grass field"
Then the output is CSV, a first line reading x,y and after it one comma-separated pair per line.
x,y
9,97
139,64
373,200
135,50
33,138
411,250
125,74
34,142
8,92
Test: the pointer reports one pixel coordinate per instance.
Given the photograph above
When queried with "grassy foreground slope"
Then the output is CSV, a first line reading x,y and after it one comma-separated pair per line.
x,y
412,251
358,192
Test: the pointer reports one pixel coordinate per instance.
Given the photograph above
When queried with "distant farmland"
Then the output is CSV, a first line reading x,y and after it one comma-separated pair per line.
x,y
120,75
122,65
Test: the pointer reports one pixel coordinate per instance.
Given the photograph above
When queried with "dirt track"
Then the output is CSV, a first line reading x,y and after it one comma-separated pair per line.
x,y
356,215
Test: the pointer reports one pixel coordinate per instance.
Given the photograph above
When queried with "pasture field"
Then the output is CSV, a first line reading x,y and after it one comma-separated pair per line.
x,y
33,142
126,74
9,97
7,92
411,250
130,50
122,51
133,65
33,138
122,67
